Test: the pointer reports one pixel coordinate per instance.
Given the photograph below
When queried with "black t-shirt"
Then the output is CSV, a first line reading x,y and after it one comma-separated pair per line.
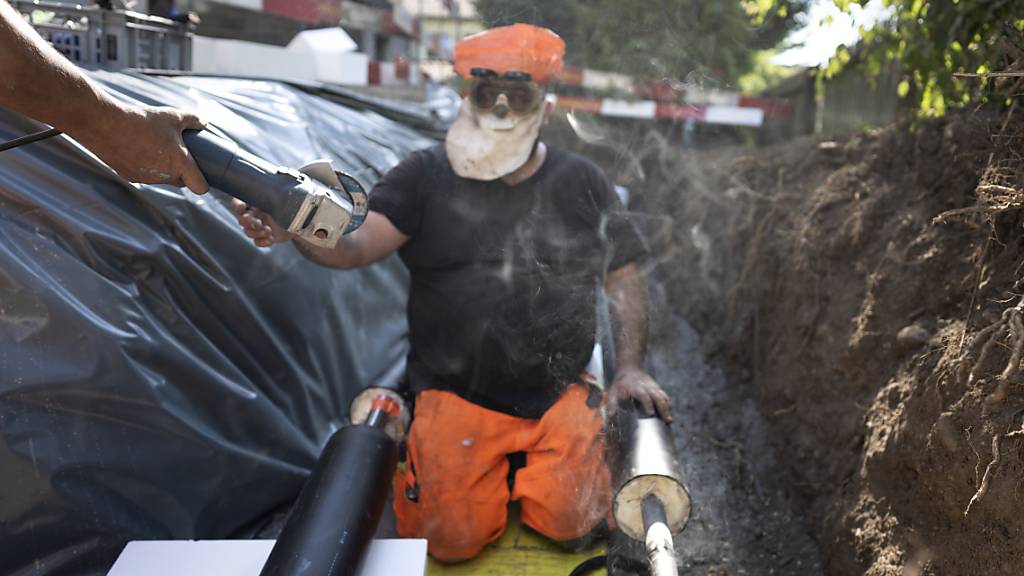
x,y
502,306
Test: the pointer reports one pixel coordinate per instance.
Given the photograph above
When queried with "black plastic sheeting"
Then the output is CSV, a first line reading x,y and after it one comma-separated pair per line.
x,y
431,117
161,377
423,117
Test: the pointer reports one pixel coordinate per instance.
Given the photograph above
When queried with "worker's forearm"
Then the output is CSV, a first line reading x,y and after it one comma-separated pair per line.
x,y
375,239
345,256
627,296
36,81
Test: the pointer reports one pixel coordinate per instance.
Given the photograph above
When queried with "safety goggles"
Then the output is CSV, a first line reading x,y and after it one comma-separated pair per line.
x,y
522,94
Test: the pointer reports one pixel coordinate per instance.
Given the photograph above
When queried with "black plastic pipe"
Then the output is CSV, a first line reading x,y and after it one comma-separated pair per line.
x,y
336,515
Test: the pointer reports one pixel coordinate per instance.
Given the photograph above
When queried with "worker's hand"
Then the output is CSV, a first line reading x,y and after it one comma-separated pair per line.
x,y
637,384
259,226
143,144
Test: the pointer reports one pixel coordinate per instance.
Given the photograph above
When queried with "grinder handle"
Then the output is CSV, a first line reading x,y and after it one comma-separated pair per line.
x,y
273,189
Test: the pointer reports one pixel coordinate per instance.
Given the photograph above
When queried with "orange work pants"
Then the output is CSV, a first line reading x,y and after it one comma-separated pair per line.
x,y
454,491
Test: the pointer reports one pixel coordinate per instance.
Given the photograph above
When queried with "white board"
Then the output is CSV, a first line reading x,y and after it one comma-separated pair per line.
x,y
629,109
311,57
404,557
734,116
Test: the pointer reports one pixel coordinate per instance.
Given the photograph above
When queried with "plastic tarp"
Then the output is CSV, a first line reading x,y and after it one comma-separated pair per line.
x,y
161,377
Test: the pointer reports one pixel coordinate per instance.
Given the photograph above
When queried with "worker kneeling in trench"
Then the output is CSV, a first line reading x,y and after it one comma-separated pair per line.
x,y
507,241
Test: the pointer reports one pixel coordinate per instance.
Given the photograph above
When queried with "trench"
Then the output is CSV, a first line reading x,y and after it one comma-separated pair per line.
x,y
744,518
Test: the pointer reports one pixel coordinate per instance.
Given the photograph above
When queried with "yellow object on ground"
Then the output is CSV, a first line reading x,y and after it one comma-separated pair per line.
x,y
519,552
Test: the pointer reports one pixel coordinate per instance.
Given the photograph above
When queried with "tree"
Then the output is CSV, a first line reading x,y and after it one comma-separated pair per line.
x,y
934,39
679,40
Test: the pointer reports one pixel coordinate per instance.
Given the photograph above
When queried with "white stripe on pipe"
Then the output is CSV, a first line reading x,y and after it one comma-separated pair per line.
x,y
629,109
734,116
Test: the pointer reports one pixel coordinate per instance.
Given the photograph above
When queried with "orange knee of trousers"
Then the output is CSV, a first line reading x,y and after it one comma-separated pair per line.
x,y
455,529
565,488
569,511
455,540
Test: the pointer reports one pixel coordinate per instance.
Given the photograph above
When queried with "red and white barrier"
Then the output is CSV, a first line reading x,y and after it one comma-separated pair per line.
x,y
752,116
666,100
661,100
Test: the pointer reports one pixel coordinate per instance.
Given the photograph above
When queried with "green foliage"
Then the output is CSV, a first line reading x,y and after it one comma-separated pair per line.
x,y
933,39
672,39
773,20
763,74
699,41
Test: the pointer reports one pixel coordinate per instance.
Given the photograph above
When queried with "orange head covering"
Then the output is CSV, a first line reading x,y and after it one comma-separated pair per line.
x,y
516,48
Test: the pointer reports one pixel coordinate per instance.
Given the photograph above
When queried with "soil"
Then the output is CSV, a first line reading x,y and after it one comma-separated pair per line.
x,y
864,295
859,275
745,520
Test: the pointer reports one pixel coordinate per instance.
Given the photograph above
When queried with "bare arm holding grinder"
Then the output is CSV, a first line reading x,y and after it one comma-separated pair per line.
x,y
141,143
372,241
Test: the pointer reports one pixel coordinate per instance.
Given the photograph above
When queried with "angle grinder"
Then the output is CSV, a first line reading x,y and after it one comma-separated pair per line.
x,y
315,202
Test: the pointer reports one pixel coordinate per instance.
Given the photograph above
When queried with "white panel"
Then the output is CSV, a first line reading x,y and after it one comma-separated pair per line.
x,y
734,115
250,4
323,41
629,109
247,557
352,69
238,57
333,55
714,97
597,80
320,57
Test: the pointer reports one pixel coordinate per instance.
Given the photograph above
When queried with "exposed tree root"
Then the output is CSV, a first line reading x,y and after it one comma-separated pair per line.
x,y
990,471
1010,325
995,192
977,467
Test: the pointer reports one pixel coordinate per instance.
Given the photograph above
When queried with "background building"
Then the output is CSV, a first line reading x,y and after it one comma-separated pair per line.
x,y
352,42
442,24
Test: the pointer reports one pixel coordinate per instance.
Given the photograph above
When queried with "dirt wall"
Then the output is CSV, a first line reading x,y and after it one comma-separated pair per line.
x,y
872,297
869,292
